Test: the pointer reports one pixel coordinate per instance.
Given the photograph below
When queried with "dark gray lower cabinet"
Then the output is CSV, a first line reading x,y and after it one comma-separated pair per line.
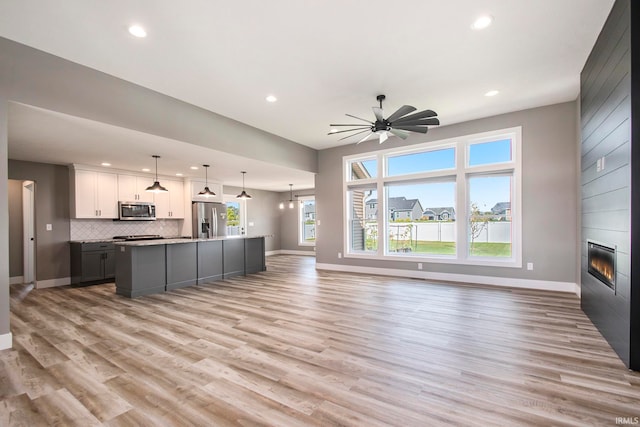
x,y
254,261
140,270
150,268
182,265
209,261
233,257
92,262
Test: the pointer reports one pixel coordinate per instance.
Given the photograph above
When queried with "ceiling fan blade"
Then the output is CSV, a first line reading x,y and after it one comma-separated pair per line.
x,y
357,124
383,137
420,115
349,130
425,122
399,133
365,138
377,111
364,120
357,133
405,109
413,128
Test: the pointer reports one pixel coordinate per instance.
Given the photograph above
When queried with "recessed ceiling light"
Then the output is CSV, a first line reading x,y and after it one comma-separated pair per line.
x,y
271,98
146,170
482,22
105,164
137,31
194,168
492,93
178,174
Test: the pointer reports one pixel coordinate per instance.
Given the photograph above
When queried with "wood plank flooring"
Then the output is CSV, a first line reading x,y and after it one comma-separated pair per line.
x,y
298,347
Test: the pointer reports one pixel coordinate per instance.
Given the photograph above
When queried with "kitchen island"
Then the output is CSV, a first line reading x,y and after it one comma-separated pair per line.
x,y
154,266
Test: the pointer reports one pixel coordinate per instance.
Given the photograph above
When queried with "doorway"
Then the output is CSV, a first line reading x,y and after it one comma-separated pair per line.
x,y
28,233
236,216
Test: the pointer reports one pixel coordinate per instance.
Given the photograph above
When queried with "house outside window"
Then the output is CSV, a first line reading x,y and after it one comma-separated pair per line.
x,y
450,201
307,221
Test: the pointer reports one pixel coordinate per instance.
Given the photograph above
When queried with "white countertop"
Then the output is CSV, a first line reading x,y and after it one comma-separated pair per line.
x,y
183,240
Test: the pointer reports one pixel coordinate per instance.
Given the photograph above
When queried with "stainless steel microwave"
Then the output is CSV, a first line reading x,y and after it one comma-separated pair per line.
x,y
136,211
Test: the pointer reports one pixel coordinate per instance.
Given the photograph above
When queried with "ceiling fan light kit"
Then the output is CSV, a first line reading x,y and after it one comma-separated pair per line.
x,y
399,124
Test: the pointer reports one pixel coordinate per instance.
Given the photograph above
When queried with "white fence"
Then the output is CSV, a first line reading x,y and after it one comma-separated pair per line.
x,y
492,231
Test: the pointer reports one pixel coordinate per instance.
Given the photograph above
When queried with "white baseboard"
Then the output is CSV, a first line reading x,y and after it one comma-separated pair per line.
x,y
15,280
290,252
6,341
508,282
52,283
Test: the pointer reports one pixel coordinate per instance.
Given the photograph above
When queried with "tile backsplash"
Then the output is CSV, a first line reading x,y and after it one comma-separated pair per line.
x,y
88,229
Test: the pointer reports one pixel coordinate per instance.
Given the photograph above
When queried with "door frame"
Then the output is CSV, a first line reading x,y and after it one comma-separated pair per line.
x,y
28,232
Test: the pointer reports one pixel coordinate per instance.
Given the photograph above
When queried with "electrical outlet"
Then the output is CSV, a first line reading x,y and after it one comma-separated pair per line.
x,y
529,266
419,266
49,227
339,254
318,222
251,224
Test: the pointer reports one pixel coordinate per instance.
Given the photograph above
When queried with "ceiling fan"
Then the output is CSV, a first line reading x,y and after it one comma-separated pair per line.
x,y
398,124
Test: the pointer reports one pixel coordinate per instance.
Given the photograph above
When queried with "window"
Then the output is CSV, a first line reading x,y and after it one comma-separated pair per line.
x,y
452,201
363,169
235,216
417,229
307,221
421,162
363,220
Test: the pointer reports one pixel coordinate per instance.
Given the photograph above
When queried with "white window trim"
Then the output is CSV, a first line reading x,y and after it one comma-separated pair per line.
x,y
462,172
301,242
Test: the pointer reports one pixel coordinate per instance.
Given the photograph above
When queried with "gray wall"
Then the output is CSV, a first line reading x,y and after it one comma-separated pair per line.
x,y
289,223
549,203
15,229
262,211
4,213
606,195
51,207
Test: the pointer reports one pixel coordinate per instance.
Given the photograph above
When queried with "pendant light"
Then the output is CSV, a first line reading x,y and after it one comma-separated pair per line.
x,y
244,194
206,192
156,187
291,196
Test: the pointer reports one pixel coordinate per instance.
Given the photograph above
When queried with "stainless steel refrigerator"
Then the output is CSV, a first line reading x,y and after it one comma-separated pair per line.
x,y
209,219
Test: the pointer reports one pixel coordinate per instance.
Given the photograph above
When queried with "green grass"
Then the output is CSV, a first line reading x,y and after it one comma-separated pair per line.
x,y
480,249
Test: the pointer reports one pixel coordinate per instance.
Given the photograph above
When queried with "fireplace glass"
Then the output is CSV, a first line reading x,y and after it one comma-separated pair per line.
x,y
601,260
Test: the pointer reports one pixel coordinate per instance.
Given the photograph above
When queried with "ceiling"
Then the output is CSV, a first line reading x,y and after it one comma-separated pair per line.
x,y
322,59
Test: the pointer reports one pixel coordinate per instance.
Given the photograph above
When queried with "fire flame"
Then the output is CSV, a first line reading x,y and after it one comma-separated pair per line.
x,y
603,267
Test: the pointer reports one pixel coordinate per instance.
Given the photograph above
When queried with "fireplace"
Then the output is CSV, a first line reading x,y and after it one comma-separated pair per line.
x,y
601,260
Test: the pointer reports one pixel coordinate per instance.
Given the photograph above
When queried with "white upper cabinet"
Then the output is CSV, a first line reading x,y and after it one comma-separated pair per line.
x,y
94,194
197,186
170,205
131,188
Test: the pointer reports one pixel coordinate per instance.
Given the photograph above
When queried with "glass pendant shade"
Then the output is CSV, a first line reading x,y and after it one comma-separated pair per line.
x,y
206,192
244,194
290,196
281,205
156,187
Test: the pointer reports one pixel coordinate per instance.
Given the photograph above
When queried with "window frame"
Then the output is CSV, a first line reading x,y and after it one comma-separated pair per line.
x,y
460,175
301,200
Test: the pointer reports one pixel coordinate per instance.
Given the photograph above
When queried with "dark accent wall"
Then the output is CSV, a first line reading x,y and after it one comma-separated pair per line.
x,y
606,121
634,339
51,207
15,229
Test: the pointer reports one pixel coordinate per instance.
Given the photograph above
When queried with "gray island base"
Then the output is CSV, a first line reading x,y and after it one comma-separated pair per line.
x,y
149,267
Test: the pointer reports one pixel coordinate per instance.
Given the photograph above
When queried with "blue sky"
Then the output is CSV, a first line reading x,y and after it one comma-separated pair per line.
x,y
486,191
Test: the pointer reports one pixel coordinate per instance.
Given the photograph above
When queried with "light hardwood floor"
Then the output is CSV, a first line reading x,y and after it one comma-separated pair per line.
x,y
296,346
